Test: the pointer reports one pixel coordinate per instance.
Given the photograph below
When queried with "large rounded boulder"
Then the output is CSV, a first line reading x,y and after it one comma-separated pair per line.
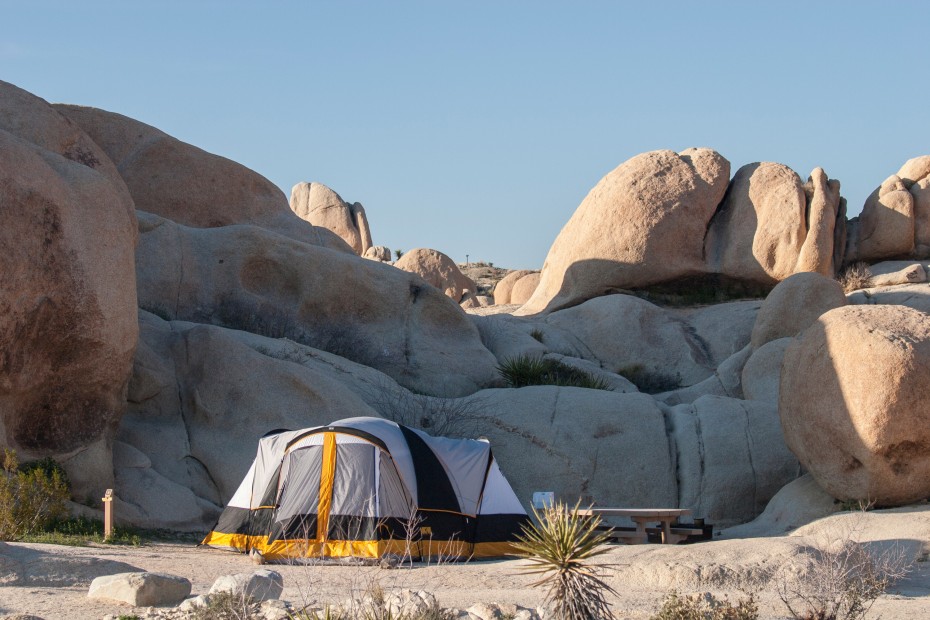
x,y
188,185
853,403
644,223
68,304
439,270
794,305
321,206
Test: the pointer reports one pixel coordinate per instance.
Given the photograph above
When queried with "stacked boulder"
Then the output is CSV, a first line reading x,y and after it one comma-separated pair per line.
x,y
895,221
516,287
665,217
321,206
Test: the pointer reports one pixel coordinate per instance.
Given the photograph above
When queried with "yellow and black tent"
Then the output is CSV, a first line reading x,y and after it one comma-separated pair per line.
x,y
366,487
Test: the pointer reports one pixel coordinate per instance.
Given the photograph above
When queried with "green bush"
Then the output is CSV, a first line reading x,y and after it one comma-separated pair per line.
x,y
707,607
526,370
32,498
560,547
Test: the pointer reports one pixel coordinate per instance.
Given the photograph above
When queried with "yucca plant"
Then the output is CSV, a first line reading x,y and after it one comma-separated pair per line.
x,y
560,546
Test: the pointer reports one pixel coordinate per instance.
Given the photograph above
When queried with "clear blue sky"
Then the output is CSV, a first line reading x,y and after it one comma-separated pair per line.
x,y
477,127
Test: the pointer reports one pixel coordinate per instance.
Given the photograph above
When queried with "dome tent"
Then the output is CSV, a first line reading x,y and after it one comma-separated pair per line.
x,y
366,487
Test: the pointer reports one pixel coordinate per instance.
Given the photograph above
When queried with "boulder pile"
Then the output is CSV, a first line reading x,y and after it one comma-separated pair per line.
x,y
165,307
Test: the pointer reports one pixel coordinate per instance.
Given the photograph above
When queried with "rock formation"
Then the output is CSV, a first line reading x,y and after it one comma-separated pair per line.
x,y
523,289
642,224
186,184
378,253
321,206
438,270
895,220
885,229
199,400
68,304
794,305
503,290
853,403
260,320
251,279
770,225
721,457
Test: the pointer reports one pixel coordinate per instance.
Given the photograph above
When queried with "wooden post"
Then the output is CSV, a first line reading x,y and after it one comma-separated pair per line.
x,y
107,514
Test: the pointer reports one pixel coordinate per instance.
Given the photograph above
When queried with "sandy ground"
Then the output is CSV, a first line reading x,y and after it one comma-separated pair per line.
x,y
51,581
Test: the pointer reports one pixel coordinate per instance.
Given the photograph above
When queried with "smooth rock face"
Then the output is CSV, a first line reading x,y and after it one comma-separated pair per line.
x,y
794,304
439,271
321,206
642,224
731,458
36,121
248,278
524,288
722,457
761,375
67,302
549,438
762,231
886,227
516,287
262,585
853,403
503,288
195,415
141,589
188,185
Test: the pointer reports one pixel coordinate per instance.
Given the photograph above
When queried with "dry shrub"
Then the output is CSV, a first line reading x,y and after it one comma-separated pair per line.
x,y
706,607
842,581
855,276
31,498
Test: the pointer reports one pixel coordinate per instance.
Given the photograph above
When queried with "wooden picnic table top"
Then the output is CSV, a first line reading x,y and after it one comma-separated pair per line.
x,y
642,513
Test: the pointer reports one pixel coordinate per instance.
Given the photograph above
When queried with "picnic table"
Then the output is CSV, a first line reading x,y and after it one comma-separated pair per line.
x,y
642,517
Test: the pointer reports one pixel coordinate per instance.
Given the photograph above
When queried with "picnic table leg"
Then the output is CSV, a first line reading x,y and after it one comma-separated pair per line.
x,y
666,532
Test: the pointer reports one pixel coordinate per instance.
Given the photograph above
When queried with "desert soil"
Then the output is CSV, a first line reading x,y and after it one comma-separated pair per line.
x,y
52,581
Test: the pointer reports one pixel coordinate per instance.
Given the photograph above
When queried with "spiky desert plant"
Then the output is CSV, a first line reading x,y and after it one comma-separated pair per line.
x,y
526,370
560,547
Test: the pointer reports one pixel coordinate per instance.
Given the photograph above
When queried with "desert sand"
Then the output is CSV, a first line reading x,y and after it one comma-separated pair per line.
x,y
52,581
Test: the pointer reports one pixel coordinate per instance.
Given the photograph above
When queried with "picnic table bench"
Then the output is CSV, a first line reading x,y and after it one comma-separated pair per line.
x,y
670,532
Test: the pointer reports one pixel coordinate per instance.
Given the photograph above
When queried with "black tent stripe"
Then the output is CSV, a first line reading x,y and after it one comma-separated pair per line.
x,y
434,489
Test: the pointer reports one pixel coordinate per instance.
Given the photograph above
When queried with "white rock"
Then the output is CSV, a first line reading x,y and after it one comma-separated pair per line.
x,y
485,611
274,609
195,602
141,589
261,585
